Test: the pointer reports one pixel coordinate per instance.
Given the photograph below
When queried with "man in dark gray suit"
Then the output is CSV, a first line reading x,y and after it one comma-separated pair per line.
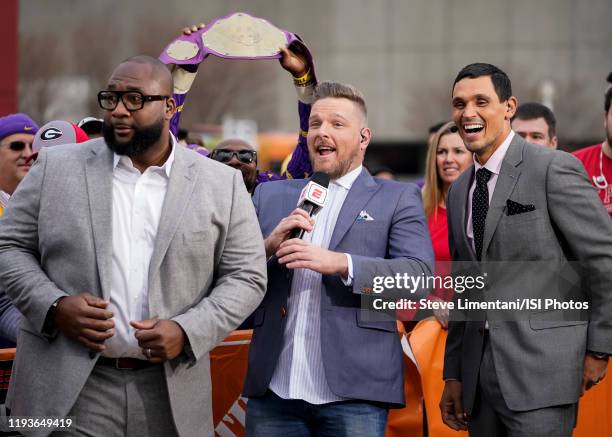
x,y
522,203
126,256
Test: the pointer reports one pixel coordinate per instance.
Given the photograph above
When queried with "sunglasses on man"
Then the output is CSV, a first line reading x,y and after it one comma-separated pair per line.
x,y
132,100
19,146
224,155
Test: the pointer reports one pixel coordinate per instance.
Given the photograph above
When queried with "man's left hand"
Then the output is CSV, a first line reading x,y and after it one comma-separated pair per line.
x,y
160,340
594,371
299,254
292,62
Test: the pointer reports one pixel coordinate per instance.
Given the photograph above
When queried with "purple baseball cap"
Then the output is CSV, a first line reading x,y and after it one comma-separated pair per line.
x,y
17,124
199,149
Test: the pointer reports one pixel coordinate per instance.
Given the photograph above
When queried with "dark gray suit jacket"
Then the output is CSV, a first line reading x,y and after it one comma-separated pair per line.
x,y
539,360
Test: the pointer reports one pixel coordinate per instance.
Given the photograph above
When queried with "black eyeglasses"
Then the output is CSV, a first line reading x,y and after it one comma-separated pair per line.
x,y
19,146
224,155
132,100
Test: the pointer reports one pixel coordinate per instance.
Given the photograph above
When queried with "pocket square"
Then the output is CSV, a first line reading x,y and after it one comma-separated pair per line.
x,y
514,208
364,217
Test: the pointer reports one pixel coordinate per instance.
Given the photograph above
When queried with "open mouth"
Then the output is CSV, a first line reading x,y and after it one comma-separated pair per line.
x,y
325,150
472,128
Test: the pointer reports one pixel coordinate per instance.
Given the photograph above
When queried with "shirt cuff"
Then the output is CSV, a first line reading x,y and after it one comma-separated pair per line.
x,y
349,280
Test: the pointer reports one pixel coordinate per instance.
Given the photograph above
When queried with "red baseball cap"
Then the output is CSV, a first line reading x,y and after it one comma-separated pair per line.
x,y
55,133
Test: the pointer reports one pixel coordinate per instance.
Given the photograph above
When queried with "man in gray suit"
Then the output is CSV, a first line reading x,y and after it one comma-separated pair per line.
x,y
128,258
522,203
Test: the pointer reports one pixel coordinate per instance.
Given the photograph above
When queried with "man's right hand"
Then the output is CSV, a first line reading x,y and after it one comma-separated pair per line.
x,y
188,30
84,318
451,406
297,219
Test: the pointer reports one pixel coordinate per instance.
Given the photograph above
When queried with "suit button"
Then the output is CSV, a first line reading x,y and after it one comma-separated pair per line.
x,y
92,354
283,312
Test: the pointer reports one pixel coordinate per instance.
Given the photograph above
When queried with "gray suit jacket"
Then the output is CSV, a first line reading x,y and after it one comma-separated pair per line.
x,y
539,360
207,271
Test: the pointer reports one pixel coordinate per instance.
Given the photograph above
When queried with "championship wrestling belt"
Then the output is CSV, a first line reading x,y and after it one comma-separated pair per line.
x,y
235,36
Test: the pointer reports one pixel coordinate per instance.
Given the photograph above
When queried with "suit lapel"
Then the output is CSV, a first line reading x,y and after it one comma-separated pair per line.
x,y
180,187
289,203
463,191
508,176
358,196
99,179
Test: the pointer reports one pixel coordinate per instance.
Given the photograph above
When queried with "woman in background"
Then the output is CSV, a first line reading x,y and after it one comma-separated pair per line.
x,y
447,158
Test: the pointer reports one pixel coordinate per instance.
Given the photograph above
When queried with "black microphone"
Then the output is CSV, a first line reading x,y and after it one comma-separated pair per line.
x,y
312,198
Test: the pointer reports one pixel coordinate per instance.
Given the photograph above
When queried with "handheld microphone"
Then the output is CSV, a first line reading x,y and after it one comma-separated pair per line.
x,y
312,198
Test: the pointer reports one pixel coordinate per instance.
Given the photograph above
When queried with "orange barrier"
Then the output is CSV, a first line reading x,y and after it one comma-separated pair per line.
x,y
228,363
6,364
427,341
595,411
228,366
407,421
7,354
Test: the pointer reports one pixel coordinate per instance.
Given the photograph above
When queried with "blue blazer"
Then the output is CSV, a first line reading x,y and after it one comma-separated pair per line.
x,y
362,358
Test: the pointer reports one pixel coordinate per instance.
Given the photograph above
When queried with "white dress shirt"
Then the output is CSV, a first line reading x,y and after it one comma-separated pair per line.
x,y
299,373
137,205
494,166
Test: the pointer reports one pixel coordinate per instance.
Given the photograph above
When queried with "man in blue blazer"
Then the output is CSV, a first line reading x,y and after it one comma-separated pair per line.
x,y
317,365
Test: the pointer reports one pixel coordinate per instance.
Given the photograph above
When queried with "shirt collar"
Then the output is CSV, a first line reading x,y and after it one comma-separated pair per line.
x,y
495,161
348,179
4,198
166,167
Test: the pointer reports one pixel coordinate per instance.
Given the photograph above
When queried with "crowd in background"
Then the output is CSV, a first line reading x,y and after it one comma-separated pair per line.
x,y
21,142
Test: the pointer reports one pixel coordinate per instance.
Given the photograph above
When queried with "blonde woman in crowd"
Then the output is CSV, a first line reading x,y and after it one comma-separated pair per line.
x,y
447,158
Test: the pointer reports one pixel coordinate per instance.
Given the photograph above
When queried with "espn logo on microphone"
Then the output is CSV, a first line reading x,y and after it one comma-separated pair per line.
x,y
314,193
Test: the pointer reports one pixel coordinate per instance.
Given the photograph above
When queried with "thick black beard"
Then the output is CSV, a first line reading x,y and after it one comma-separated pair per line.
x,y
142,139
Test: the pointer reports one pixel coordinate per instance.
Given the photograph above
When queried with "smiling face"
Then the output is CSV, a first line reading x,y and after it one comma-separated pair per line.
x,y
337,136
482,118
452,158
534,131
13,160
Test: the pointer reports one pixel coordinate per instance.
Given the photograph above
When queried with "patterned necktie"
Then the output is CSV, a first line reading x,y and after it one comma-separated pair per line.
x,y
480,207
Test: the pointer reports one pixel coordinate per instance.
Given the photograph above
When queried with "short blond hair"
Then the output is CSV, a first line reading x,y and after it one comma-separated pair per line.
x,y
339,90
